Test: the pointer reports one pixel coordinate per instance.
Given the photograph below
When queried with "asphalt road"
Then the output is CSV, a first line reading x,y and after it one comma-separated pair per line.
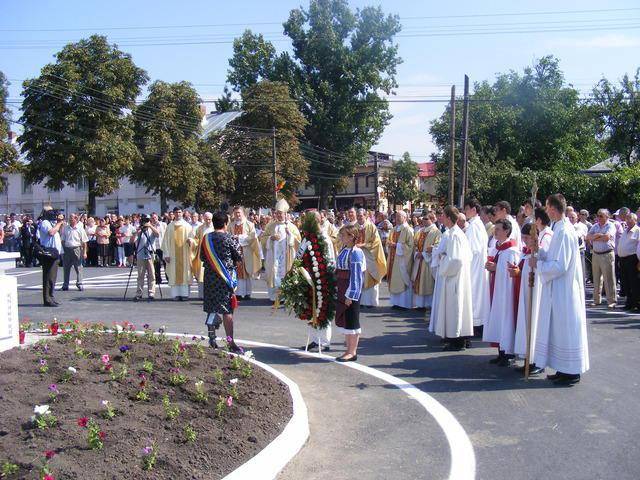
x,y
363,427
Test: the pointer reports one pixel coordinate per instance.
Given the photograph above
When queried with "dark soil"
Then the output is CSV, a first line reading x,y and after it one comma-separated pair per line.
x,y
257,416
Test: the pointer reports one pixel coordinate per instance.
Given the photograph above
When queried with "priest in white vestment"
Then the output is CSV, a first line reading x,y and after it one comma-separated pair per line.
x,y
504,288
455,309
400,262
561,341
281,239
177,246
478,241
245,232
426,239
371,245
437,254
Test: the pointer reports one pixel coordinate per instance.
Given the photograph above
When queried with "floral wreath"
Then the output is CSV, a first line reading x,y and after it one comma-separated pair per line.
x,y
309,288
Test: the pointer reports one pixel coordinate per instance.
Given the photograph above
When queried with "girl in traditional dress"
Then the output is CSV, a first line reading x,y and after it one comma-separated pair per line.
x,y
350,268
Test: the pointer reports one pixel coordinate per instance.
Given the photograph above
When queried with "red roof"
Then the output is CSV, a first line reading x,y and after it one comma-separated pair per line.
x,y
427,169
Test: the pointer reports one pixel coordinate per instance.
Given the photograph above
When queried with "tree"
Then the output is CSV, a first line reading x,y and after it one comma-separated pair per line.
x,y
8,154
618,112
217,181
342,62
247,145
521,125
226,102
167,130
74,118
399,183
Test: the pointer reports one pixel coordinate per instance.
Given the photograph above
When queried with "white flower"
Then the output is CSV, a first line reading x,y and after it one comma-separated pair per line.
x,y
233,381
105,403
315,269
248,354
41,409
119,328
33,418
317,275
310,248
199,383
72,370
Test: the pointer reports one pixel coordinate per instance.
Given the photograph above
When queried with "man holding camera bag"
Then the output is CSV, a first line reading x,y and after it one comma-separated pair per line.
x,y
146,237
48,252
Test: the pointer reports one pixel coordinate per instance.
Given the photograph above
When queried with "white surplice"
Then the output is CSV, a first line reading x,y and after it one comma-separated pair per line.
x,y
436,255
279,249
500,327
561,341
478,241
455,311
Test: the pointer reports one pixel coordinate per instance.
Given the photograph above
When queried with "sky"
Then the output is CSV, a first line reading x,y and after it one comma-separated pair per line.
x,y
439,44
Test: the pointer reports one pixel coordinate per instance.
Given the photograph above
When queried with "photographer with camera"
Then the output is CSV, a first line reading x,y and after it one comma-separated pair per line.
x,y
145,239
48,252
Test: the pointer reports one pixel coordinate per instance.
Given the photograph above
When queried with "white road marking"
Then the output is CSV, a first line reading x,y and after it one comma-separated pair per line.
x,y
463,460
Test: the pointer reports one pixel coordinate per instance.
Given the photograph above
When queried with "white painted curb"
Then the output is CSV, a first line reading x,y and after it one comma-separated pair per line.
x,y
275,456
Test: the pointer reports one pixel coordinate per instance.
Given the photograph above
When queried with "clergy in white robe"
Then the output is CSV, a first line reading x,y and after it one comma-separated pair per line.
x,y
501,211
177,246
281,239
504,288
479,243
196,265
248,268
561,341
437,254
400,263
455,309
425,241
371,245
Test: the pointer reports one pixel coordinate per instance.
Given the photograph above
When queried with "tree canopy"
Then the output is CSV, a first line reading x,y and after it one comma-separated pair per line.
x,y
8,154
399,183
75,121
247,145
342,63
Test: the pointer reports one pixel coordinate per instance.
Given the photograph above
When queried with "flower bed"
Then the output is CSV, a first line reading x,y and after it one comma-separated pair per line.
x,y
120,405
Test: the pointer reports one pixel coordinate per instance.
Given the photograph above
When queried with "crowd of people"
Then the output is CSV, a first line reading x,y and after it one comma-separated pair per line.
x,y
466,269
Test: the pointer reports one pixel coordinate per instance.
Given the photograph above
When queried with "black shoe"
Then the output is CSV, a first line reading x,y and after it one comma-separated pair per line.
x,y
555,376
64,289
151,299
247,297
534,370
311,346
567,379
344,360
50,304
467,343
137,299
212,340
80,288
452,348
325,349
503,362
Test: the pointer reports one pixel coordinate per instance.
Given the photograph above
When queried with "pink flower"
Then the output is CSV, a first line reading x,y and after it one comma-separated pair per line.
x,y
83,421
105,358
229,401
48,477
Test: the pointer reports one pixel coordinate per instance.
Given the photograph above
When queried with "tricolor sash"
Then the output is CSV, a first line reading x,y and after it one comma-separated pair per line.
x,y
214,262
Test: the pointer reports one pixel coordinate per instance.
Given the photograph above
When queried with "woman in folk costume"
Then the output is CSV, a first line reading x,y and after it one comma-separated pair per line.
x,y
400,263
370,244
455,316
425,240
500,327
220,254
350,270
245,232
281,240
177,245
196,265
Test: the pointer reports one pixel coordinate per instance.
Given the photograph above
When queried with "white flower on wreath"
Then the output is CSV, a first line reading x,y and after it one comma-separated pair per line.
x,y
310,248
315,269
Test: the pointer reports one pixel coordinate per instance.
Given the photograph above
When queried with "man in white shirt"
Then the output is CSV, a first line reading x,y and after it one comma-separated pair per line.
x,y
627,248
74,244
582,231
158,262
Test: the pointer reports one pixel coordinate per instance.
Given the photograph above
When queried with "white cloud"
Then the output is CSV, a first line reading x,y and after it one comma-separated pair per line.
x,y
613,40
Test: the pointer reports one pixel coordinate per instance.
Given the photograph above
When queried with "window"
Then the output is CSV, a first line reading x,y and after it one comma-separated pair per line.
x,y
82,185
27,188
366,181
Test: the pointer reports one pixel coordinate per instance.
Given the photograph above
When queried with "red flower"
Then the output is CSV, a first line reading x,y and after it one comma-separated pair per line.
x,y
108,367
49,454
102,435
48,477
82,422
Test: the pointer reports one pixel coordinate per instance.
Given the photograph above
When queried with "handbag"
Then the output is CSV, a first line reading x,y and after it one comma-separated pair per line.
x,y
45,253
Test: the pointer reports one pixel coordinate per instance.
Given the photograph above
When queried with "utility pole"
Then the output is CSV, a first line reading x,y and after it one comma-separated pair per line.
x,y
452,151
275,165
465,144
375,181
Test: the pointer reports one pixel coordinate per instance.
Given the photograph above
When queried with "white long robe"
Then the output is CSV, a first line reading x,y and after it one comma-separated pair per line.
x,y
500,327
478,241
561,341
455,310
178,249
520,347
436,255
278,252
